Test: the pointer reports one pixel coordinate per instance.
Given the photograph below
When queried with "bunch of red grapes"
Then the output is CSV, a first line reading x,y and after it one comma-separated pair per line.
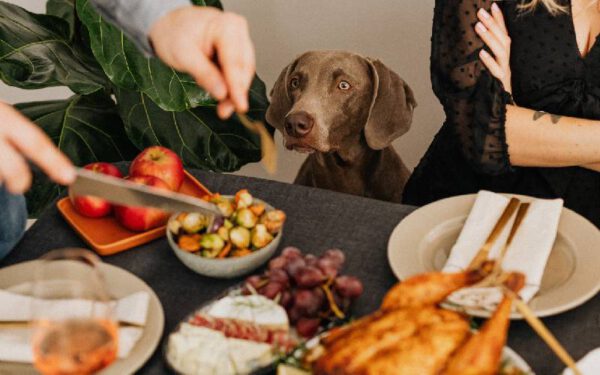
x,y
310,288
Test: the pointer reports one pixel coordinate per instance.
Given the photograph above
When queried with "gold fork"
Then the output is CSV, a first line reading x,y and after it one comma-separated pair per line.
x,y
267,146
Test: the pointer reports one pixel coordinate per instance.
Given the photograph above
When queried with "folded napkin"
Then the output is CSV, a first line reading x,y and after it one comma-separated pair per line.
x,y
528,252
15,343
588,365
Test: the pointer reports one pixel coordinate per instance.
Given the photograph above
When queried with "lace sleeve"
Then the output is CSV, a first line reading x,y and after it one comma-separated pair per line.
x,y
474,101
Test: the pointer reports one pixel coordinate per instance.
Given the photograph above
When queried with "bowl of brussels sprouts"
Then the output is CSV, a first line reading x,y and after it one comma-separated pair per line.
x,y
245,237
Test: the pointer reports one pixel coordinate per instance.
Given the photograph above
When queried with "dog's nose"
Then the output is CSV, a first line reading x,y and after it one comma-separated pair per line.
x,y
299,124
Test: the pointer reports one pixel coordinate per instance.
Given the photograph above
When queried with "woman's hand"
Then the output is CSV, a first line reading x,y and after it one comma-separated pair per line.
x,y
492,30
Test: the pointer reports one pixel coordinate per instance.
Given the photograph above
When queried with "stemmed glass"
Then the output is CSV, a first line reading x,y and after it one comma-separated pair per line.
x,y
74,326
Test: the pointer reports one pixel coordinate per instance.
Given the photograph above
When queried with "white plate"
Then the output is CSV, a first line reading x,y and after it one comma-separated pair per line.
x,y
516,360
421,243
120,283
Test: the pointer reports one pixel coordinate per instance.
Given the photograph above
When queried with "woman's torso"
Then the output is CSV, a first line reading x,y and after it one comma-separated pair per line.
x,y
548,74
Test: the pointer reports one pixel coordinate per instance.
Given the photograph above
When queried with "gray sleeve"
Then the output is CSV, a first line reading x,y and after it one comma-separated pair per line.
x,y
135,17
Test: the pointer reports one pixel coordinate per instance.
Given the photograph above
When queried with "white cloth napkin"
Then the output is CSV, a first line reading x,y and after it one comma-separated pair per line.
x,y
15,343
528,252
588,365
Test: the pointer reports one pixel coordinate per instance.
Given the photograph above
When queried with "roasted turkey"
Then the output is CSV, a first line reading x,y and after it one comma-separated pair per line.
x,y
411,334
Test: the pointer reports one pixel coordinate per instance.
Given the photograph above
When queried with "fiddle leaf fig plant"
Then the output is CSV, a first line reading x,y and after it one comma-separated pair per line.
x,y
123,101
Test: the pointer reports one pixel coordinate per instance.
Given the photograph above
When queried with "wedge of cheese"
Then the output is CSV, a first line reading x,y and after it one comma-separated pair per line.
x,y
197,350
254,308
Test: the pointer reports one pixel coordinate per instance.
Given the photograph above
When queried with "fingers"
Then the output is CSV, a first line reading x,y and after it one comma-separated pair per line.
x,y
490,63
493,36
31,142
225,109
14,172
206,74
499,17
492,30
236,57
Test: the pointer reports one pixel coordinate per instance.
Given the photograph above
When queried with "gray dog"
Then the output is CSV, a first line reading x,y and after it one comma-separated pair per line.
x,y
345,110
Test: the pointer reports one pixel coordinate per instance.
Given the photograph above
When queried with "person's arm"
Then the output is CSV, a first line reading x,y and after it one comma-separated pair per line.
x,y
189,38
540,139
535,138
136,17
473,100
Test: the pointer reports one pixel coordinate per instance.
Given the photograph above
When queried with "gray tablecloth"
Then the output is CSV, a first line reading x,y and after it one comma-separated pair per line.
x,y
317,220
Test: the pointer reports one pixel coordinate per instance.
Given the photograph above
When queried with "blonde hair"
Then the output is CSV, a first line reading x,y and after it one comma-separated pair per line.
x,y
554,6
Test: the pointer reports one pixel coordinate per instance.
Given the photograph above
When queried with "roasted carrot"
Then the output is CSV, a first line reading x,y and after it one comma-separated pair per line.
x,y
225,252
190,242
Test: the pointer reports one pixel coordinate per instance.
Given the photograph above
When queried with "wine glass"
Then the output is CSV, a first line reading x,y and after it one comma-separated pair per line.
x,y
74,326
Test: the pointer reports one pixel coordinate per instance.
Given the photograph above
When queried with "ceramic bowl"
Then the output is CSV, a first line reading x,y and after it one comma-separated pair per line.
x,y
226,268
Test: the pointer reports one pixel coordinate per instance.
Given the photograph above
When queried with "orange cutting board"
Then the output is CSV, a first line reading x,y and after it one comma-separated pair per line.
x,y
106,236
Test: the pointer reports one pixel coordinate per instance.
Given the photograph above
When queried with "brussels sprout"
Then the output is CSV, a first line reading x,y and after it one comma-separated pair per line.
x,y
174,226
246,218
193,222
243,199
228,224
212,244
260,236
239,237
273,220
223,233
226,207
215,198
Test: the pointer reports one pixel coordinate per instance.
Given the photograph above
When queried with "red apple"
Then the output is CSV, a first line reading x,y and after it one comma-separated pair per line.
x,y
140,219
159,162
93,206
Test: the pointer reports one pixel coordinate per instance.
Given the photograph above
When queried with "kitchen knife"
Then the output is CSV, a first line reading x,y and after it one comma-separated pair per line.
x,y
120,191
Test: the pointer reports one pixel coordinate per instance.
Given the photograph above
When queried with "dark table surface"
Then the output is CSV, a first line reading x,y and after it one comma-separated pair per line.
x,y
317,220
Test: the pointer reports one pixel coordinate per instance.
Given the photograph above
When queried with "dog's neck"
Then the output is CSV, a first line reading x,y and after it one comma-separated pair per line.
x,y
356,156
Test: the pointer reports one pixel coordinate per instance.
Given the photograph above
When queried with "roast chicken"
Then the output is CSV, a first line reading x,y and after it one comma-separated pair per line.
x,y
411,334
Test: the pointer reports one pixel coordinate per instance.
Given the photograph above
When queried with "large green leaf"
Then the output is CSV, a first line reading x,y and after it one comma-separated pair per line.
x,y
197,135
35,52
129,69
86,128
64,9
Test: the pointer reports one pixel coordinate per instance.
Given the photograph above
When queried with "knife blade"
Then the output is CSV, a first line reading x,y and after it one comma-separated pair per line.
x,y
120,191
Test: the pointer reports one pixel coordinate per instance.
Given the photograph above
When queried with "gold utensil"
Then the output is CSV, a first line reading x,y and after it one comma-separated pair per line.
x,y
521,213
540,328
497,276
484,251
268,149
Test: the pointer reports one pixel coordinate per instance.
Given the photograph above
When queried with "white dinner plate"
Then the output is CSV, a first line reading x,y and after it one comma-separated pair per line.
x,y
422,241
120,283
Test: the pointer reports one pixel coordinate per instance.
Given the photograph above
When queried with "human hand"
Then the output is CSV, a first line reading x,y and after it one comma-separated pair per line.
x,y
492,30
20,140
191,37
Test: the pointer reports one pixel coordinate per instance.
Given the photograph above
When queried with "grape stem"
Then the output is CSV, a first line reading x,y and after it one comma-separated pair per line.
x,y
334,307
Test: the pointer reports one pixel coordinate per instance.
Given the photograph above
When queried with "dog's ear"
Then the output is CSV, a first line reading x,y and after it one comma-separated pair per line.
x,y
281,103
391,111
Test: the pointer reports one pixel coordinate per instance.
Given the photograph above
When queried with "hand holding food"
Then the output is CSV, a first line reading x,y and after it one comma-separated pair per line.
x,y
246,226
192,38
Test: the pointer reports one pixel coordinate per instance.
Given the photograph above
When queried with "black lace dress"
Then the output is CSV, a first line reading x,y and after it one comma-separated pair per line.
x,y
549,73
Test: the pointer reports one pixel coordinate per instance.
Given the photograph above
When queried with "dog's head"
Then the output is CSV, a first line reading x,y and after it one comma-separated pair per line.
x,y
325,99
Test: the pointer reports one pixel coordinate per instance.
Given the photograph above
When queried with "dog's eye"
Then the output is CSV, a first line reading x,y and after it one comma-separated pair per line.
x,y
294,83
343,85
